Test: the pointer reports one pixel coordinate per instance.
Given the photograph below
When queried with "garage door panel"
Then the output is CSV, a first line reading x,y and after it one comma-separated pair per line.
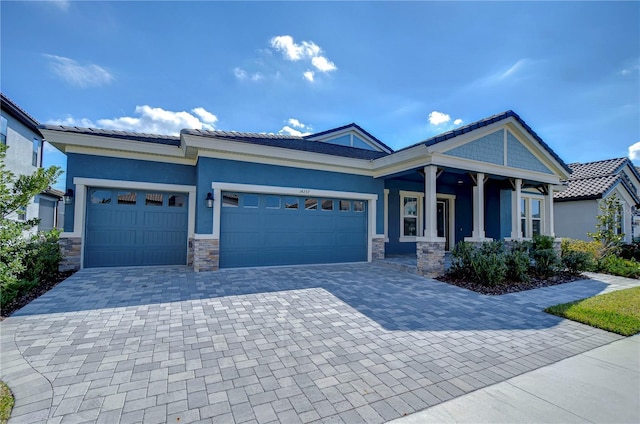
x,y
144,229
274,235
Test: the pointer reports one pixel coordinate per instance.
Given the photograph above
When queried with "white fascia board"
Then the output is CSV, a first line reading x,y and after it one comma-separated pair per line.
x,y
62,140
489,168
415,157
622,192
247,152
129,155
292,191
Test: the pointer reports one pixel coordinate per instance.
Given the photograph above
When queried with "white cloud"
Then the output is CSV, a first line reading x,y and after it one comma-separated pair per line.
x,y
322,64
308,75
291,128
240,73
438,118
630,70
458,121
306,50
205,116
257,76
149,119
295,123
634,151
511,71
72,72
61,4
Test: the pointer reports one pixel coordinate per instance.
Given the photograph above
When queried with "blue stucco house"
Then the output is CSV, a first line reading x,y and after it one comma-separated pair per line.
x,y
217,199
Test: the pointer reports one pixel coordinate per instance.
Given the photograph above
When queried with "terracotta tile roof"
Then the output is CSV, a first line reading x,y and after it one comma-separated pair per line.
x,y
594,179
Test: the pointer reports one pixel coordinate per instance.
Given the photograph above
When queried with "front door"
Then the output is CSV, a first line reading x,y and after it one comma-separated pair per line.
x,y
443,221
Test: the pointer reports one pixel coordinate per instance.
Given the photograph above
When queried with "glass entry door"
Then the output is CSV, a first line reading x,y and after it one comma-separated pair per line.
x,y
442,218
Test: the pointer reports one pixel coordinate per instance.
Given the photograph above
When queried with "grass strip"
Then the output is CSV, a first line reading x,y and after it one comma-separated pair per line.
x,y
618,312
6,403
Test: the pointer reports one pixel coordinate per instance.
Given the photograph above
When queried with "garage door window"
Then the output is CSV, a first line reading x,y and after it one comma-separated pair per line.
x,y
176,200
273,202
327,205
127,197
100,196
291,203
230,200
345,206
358,206
153,199
250,200
311,204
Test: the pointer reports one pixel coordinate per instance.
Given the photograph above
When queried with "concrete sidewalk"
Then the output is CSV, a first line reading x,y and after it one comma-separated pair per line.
x,y
599,386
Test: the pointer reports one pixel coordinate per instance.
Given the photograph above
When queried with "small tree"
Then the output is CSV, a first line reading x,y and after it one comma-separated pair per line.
x,y
608,229
15,193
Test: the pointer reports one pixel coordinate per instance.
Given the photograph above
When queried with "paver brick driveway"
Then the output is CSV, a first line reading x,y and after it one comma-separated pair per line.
x,y
349,343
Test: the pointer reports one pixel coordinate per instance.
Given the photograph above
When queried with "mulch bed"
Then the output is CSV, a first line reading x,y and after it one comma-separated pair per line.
x,y
35,293
512,286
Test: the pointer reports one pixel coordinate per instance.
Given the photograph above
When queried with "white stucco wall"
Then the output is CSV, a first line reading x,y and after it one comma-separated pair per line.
x,y
19,156
575,219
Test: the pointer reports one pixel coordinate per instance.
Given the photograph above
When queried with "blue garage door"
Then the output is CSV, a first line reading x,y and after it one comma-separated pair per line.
x,y
134,227
261,229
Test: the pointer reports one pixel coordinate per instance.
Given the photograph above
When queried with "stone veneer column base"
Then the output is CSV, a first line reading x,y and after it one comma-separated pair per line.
x,y
70,248
377,249
430,258
204,254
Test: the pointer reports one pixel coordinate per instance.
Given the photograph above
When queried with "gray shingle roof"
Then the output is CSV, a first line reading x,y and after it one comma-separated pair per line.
x,y
20,114
483,123
290,142
594,179
123,135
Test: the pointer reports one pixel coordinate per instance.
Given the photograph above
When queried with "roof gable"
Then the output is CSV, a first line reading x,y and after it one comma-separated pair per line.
x,y
494,121
351,135
18,113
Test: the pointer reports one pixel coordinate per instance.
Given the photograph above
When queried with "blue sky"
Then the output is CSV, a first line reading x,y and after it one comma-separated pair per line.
x,y
403,71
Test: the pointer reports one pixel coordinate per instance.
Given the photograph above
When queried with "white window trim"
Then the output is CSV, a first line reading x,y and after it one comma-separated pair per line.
x,y
527,197
371,199
82,184
420,221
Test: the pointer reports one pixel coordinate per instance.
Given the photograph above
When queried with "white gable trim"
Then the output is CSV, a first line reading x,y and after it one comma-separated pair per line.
x,y
325,138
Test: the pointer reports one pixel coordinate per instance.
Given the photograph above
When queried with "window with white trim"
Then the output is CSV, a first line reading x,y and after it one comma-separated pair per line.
x,y
531,215
410,215
3,130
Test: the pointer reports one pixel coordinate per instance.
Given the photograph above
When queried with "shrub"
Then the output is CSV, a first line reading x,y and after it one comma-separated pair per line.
x,y
616,265
461,259
576,262
483,265
630,251
43,257
544,255
518,262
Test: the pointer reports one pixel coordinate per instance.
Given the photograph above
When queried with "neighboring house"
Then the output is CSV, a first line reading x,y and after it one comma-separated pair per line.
x,y
217,199
577,207
19,131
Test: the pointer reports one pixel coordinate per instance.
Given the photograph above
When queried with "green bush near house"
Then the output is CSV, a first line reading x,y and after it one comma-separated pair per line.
x,y
618,312
616,265
546,261
518,261
576,262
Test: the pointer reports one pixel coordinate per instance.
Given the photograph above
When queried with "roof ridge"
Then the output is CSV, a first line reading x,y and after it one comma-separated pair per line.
x,y
98,131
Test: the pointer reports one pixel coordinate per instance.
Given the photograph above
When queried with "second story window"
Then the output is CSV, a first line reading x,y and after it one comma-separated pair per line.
x,y
3,130
35,158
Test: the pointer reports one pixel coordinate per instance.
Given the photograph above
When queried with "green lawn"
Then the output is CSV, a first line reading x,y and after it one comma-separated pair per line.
x,y
618,312
6,403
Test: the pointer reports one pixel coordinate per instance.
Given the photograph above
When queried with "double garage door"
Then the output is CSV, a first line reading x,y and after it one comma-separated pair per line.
x,y
265,229
135,227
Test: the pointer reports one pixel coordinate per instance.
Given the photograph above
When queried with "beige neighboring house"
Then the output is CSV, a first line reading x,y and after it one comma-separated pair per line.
x,y
19,131
577,207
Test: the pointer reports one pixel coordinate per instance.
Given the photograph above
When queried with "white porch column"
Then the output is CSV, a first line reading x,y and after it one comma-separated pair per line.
x,y
516,211
548,212
478,233
430,203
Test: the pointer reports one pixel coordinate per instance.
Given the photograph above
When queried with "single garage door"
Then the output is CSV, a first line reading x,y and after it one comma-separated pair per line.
x,y
135,227
262,229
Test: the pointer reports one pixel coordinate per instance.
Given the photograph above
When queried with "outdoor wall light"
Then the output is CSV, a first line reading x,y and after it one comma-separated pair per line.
x,y
68,197
209,200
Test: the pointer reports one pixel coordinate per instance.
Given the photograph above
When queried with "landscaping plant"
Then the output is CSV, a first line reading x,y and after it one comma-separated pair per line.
x,y
546,261
519,261
608,231
20,261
